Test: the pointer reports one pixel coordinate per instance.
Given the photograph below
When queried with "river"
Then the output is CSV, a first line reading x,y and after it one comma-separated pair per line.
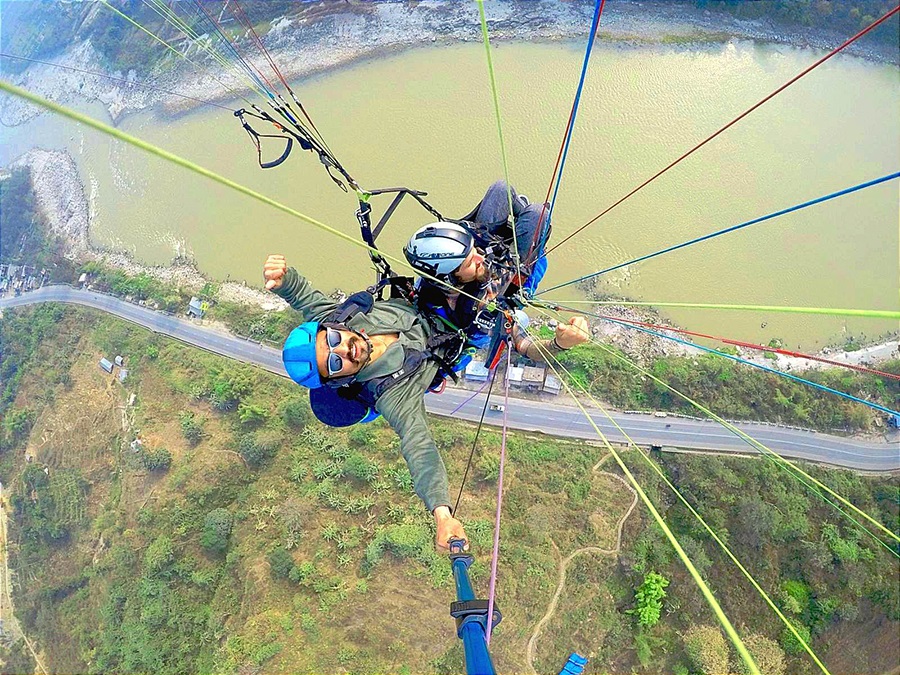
x,y
424,118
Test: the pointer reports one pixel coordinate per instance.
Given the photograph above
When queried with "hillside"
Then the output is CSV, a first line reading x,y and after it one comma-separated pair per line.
x,y
240,536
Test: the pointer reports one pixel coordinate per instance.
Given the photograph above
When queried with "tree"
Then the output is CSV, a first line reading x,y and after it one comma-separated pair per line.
x,y
281,563
648,599
295,412
160,554
159,459
790,642
768,655
216,530
17,422
707,650
191,427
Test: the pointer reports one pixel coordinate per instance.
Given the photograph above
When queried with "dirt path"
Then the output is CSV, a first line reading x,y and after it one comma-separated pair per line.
x,y
564,563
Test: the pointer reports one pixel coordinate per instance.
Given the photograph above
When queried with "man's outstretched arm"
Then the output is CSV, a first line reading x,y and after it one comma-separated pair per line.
x,y
404,409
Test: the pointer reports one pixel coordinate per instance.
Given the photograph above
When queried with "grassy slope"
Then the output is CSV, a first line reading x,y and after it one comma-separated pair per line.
x,y
122,582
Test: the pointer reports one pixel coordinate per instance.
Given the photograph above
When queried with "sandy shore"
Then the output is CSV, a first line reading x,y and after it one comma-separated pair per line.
x,y
334,39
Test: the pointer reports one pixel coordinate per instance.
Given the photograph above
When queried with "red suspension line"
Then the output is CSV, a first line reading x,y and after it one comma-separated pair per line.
x,y
751,345
731,123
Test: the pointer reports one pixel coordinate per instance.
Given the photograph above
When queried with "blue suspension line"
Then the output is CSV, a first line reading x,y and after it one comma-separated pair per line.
x,y
755,365
818,200
587,55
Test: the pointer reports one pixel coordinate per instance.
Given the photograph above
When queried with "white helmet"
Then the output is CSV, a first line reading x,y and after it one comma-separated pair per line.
x,y
439,249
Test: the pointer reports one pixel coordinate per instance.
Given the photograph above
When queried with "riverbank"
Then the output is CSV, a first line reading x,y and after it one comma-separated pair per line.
x,y
327,38
334,40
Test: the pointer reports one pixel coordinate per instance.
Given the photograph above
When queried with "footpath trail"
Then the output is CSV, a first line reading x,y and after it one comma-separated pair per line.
x,y
564,563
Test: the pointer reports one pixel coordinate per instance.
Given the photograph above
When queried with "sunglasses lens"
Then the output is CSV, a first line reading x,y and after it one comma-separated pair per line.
x,y
335,364
332,337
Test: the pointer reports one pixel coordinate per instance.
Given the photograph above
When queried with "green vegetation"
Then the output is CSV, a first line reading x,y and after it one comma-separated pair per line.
x,y
216,530
23,230
648,600
839,15
267,541
732,390
707,650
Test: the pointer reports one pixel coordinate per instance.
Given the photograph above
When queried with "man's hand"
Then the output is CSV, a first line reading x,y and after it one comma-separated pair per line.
x,y
448,528
274,270
571,334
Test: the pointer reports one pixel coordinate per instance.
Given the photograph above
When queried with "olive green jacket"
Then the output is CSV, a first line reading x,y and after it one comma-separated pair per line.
x,y
403,406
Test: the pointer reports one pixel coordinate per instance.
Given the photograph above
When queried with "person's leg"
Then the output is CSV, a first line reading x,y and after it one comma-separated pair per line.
x,y
528,239
494,208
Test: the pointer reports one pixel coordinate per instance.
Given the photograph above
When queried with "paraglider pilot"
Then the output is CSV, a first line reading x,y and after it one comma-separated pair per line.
x,y
383,354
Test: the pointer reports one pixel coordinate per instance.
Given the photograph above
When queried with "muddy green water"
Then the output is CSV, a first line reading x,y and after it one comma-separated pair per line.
x,y
424,118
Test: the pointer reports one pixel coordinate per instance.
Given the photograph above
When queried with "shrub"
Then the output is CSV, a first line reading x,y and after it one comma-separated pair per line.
x,y
216,530
768,655
648,599
707,650
191,428
295,412
362,435
361,468
281,563
258,447
489,467
159,555
251,415
789,641
159,459
794,596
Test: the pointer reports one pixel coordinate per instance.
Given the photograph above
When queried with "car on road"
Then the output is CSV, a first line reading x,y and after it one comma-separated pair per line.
x,y
497,407
660,414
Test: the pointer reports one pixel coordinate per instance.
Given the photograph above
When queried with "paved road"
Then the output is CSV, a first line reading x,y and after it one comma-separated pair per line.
x,y
554,419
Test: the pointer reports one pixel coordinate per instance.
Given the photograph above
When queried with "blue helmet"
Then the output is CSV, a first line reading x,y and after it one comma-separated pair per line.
x,y
299,355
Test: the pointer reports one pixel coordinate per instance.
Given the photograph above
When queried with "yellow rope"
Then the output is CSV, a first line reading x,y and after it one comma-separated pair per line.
x,y
496,98
196,168
694,572
712,533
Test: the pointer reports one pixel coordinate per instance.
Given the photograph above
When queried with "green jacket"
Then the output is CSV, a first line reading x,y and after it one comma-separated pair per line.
x,y
403,406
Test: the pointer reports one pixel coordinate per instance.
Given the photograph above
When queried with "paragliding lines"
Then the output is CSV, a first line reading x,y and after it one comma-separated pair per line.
x,y
212,175
738,359
129,83
729,341
496,100
495,554
556,177
673,540
826,311
697,516
487,399
718,233
175,51
751,441
787,84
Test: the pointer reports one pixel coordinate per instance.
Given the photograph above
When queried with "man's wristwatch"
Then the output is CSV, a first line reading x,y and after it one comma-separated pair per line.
x,y
555,347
